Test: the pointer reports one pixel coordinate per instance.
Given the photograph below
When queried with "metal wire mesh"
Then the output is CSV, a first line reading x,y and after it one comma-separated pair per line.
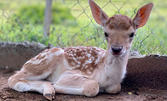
x,y
81,29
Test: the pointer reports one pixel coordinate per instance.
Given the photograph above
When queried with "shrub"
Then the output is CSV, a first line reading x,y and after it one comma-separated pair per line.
x,y
34,14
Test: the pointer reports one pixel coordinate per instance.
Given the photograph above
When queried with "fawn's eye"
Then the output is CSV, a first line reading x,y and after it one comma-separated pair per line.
x,y
106,34
132,35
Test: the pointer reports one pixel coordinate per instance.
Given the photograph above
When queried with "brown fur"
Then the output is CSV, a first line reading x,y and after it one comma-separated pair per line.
x,y
40,68
77,57
119,22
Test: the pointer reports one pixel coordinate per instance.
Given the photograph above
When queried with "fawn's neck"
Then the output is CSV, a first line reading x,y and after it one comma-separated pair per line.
x,y
109,59
116,63
112,70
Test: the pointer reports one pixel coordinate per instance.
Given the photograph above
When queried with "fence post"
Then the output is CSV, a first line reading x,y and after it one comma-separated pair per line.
x,y
47,19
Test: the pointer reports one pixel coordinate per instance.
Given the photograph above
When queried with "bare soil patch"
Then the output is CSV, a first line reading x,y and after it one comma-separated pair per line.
x,y
145,81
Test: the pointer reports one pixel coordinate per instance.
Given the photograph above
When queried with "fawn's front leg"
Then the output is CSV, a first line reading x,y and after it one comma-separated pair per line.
x,y
113,89
75,83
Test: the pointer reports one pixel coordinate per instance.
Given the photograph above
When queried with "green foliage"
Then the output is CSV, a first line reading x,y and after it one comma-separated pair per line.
x,y
71,26
26,24
34,14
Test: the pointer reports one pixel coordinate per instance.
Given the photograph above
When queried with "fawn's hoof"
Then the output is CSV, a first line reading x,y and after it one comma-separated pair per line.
x,y
50,97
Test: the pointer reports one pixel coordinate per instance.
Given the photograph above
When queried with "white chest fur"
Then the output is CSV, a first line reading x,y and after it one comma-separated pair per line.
x,y
112,73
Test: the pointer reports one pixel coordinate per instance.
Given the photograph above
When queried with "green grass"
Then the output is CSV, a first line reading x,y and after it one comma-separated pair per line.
x,y
73,25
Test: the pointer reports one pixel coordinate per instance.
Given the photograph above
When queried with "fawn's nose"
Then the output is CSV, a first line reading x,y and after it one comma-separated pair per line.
x,y
116,50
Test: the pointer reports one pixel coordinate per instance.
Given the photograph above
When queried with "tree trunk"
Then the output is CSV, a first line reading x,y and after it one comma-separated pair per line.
x,y
47,19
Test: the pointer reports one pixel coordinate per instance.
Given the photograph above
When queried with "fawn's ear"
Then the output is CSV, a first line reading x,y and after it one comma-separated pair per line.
x,y
99,16
142,15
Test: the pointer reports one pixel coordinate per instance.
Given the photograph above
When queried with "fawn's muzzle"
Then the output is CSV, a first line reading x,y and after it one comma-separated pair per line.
x,y
116,50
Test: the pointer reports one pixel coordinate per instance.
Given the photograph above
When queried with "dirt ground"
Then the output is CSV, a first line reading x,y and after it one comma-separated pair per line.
x,y
128,94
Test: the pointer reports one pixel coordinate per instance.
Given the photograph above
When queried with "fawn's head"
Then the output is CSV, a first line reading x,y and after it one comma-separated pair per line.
x,y
119,30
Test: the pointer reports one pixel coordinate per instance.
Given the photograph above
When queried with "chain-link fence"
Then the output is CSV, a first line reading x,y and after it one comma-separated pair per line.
x,y
73,24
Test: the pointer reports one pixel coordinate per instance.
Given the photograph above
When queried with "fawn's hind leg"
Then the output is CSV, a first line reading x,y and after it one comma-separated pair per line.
x,y
75,83
25,81
37,69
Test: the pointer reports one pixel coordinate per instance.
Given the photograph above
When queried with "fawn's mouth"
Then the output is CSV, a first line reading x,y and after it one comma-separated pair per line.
x,y
116,53
120,53
116,50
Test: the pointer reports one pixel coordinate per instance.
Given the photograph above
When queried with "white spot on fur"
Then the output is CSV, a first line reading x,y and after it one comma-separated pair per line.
x,y
37,61
89,61
88,55
86,67
77,61
59,52
97,60
42,54
78,65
